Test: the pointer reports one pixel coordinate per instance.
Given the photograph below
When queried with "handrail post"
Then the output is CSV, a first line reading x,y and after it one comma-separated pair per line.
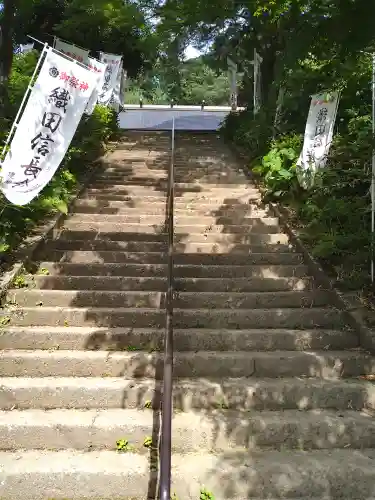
x,y
166,424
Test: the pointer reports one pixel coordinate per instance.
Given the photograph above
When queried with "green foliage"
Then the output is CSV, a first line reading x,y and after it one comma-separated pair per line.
x,y
87,145
278,166
197,81
206,495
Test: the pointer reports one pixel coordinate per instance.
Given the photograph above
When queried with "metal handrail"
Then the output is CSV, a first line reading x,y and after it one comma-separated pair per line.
x,y
166,414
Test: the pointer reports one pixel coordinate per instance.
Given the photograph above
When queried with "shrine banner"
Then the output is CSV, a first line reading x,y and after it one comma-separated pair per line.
x,y
118,91
46,127
318,136
24,49
123,86
70,50
257,98
106,95
99,68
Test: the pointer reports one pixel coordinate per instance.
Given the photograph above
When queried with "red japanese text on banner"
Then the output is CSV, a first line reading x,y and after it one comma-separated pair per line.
x,y
72,51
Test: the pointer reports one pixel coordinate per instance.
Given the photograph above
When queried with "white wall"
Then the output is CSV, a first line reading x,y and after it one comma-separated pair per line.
x,y
160,117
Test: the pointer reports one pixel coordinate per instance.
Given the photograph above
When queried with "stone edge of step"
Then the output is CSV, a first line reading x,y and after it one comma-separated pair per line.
x,y
79,475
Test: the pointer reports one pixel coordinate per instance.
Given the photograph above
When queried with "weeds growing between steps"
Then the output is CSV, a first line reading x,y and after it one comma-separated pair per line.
x,y
87,146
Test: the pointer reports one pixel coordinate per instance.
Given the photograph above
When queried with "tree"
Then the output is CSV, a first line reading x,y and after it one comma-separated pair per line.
x,y
7,24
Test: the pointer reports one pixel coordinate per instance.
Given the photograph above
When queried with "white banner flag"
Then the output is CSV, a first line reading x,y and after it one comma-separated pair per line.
x,y
123,87
46,128
113,67
24,49
70,50
318,136
257,98
118,92
232,72
99,68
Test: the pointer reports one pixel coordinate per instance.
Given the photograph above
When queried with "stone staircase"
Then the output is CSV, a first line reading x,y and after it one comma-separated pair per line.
x,y
268,399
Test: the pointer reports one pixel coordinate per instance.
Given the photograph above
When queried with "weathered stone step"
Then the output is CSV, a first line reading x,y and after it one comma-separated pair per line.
x,y
90,256
153,227
157,203
182,318
148,233
186,219
77,234
344,474
113,269
188,394
191,432
180,284
107,245
182,300
226,249
179,271
138,175
128,339
148,195
213,364
160,209
191,187
158,225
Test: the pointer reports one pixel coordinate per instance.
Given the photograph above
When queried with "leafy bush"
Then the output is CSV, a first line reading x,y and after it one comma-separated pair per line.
x,y
278,166
87,145
335,213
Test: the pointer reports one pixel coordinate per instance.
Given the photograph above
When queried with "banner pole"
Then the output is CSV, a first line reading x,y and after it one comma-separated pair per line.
x,y
25,97
373,172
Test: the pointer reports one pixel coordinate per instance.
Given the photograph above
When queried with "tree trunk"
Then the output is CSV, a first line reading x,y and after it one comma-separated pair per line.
x,y
6,42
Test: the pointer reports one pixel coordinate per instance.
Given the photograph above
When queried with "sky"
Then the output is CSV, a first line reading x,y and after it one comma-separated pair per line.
x,y
191,52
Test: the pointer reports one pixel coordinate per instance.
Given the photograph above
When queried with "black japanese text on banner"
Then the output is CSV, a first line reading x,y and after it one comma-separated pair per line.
x,y
318,136
99,68
116,101
113,67
72,51
46,128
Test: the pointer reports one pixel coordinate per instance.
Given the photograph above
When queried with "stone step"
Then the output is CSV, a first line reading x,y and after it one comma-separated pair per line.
x,y
149,233
130,339
182,318
77,234
214,364
147,194
158,225
191,187
196,394
206,259
182,300
138,176
221,430
180,219
121,283
107,245
224,249
179,271
160,209
344,474
152,205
